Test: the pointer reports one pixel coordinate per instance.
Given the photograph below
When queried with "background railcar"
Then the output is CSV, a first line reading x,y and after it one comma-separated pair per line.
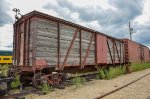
x,y
135,52
5,57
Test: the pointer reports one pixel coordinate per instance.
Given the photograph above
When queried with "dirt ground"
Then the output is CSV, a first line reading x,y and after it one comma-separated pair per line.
x,y
138,90
95,88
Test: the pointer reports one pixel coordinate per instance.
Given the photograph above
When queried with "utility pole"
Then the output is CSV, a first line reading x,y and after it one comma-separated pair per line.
x,y
130,30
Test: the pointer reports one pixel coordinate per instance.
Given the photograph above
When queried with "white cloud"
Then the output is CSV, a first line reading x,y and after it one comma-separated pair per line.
x,y
104,18
6,37
143,18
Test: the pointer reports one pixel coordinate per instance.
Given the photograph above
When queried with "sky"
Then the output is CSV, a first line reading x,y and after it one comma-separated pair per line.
x,y
107,16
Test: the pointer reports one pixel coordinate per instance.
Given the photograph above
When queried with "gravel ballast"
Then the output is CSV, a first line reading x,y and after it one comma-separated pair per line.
x,y
95,88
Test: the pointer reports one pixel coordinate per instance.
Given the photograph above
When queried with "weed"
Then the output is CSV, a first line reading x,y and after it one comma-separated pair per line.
x,y
4,69
77,80
110,73
17,82
45,88
101,74
106,73
114,72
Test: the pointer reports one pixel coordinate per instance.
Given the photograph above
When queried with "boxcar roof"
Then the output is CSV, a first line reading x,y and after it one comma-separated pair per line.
x,y
40,14
135,42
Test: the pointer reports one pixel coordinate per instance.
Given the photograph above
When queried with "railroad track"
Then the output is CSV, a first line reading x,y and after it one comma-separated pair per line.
x,y
19,95
26,92
115,90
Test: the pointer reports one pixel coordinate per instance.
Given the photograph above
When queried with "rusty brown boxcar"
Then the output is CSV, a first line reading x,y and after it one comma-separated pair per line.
x,y
109,50
43,43
135,52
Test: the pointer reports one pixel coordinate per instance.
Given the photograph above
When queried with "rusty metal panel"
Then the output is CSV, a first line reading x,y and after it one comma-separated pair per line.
x,y
135,53
101,49
149,55
41,62
146,54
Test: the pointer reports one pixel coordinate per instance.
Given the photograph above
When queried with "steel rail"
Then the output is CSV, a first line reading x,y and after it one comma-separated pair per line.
x,y
115,90
21,94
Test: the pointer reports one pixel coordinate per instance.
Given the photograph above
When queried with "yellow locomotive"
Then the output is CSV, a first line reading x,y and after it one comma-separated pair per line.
x,y
5,57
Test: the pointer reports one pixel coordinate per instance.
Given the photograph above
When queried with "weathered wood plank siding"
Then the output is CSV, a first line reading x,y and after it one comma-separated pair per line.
x,y
46,41
116,51
66,36
86,37
30,37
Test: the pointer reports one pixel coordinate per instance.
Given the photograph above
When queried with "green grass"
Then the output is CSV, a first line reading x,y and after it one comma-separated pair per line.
x,y
112,72
101,74
139,66
77,80
115,71
16,83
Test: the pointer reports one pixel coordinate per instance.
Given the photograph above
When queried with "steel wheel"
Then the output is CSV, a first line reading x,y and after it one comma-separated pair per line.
x,y
37,80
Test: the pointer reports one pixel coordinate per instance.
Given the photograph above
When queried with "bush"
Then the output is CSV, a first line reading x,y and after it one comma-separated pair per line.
x,y
17,82
45,88
77,80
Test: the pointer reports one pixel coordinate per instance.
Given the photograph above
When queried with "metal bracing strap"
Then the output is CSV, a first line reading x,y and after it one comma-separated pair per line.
x,y
87,52
69,49
110,52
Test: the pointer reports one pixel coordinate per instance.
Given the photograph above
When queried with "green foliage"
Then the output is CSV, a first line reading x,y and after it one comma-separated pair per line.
x,y
106,73
45,88
101,74
77,80
112,72
115,71
140,66
4,69
17,82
